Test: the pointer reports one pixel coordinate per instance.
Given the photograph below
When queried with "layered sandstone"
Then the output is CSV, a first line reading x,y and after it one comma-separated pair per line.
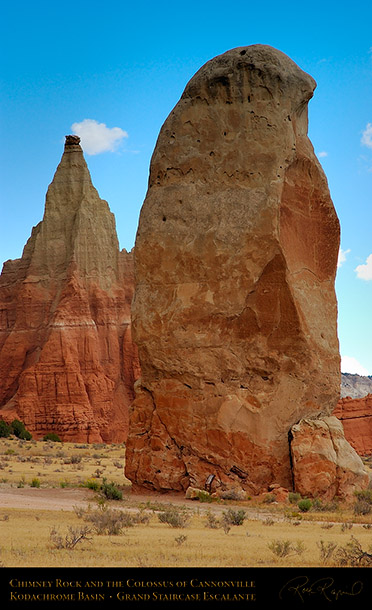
x,y
356,417
67,360
234,311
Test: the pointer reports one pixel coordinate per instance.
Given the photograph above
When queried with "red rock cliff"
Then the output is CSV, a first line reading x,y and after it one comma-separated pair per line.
x,y
356,417
67,361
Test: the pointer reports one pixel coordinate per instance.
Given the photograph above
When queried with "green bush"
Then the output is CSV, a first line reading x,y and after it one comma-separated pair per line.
x,y
304,505
51,436
92,484
110,491
19,430
5,429
204,496
35,482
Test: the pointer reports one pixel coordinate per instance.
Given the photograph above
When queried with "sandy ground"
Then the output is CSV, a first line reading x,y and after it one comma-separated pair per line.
x,y
43,499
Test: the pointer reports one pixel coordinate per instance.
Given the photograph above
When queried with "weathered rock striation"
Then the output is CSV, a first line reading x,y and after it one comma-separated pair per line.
x,y
67,360
234,311
356,417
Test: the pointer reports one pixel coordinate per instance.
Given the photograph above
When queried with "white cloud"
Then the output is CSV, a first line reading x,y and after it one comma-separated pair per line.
x,y
351,365
96,138
342,257
323,153
364,272
367,136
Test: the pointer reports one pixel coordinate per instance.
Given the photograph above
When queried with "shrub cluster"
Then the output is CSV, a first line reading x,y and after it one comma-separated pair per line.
x,y
174,517
234,517
282,548
51,436
363,504
352,554
304,505
109,521
17,428
229,518
109,491
71,539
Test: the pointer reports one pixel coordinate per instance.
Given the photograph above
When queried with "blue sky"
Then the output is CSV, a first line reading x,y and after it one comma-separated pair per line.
x,y
122,66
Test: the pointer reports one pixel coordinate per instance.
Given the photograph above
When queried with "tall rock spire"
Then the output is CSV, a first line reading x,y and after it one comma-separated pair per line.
x,y
234,314
78,227
67,362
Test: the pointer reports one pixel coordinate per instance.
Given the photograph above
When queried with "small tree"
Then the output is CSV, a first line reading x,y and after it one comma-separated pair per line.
x,y
19,430
5,430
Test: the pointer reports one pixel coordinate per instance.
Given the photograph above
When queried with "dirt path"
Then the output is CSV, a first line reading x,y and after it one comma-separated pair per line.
x,y
66,499
44,499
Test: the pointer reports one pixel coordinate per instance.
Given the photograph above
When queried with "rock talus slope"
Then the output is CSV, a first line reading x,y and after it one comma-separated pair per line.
x,y
234,311
67,360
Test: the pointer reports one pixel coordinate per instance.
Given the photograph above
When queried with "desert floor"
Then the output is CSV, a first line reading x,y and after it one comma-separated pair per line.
x,y
51,517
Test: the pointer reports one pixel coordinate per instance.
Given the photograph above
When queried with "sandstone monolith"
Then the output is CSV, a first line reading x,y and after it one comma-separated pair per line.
x,y
67,360
234,311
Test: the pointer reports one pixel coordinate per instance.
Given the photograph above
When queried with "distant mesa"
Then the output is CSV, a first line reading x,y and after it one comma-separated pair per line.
x,y
354,409
355,386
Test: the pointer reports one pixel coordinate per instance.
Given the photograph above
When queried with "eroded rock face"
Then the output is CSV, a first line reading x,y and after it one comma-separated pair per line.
x,y
234,312
67,360
324,463
356,417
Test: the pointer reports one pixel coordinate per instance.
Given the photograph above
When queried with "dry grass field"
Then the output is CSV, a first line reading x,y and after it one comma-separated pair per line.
x,y
59,464
48,517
